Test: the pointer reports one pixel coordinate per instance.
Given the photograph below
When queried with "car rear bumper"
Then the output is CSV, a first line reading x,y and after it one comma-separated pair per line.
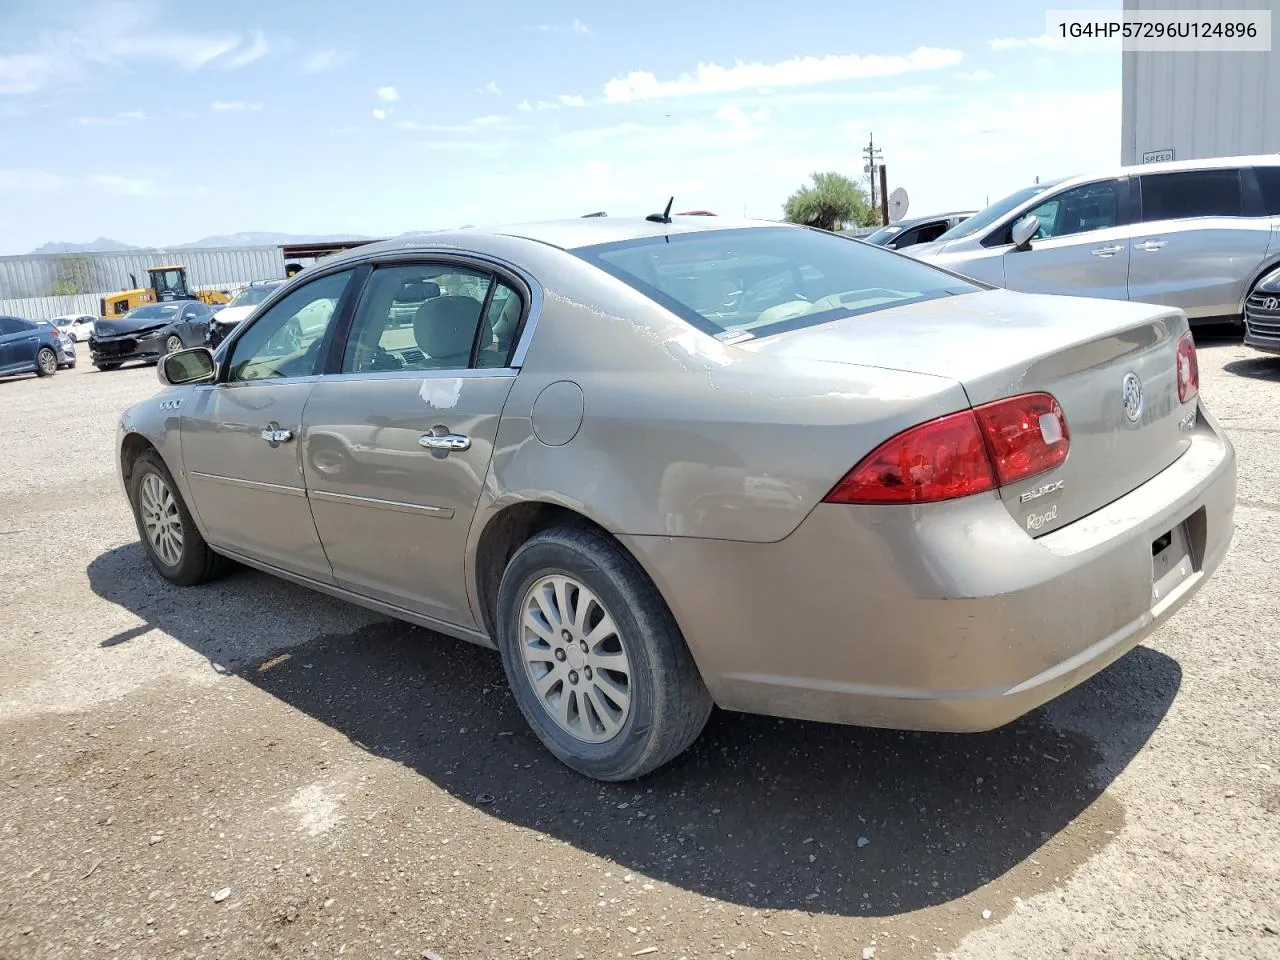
x,y
946,618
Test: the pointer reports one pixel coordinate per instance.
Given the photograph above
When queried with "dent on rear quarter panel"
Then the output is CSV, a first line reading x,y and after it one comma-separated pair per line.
x,y
682,435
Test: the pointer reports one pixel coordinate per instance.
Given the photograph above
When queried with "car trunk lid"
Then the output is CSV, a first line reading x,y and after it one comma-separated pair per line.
x,y
996,344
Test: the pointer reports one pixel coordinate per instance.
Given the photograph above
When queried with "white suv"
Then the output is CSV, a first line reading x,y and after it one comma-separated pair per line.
x,y
1194,234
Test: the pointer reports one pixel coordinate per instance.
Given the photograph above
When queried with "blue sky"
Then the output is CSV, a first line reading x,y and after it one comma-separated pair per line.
x,y
154,123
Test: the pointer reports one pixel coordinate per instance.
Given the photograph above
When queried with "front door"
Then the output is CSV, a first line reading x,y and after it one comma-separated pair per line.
x,y
241,435
1195,249
396,446
1081,248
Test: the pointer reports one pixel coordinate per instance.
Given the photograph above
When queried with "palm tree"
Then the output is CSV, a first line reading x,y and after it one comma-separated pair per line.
x,y
832,201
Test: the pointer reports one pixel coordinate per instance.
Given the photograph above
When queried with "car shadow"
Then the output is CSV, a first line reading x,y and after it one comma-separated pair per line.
x,y
764,813
1259,368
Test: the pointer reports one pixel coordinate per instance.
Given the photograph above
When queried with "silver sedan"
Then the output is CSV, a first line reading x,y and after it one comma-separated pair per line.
x,y
668,463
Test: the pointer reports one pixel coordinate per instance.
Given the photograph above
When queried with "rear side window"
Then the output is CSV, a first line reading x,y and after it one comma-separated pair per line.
x,y
432,316
1269,183
1195,193
764,280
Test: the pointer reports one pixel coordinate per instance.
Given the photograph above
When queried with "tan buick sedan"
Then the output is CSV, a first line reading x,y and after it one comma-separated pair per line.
x,y
666,463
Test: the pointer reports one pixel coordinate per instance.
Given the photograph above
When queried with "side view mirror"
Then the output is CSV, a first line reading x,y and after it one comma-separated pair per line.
x,y
1024,230
193,365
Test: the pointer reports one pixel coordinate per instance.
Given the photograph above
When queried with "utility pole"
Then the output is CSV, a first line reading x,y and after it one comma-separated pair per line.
x,y
872,166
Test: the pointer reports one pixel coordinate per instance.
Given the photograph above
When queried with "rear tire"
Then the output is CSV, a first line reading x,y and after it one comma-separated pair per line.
x,y
612,700
173,344
46,362
169,534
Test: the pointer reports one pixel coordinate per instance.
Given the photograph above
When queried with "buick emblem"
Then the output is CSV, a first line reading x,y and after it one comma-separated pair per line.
x,y
1271,303
1131,396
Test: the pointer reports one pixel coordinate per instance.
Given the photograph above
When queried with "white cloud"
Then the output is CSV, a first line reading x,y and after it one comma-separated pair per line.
x,y
255,51
576,27
379,113
711,78
525,106
28,181
572,99
387,93
117,120
322,60
111,35
490,121
492,87
977,76
1017,43
234,105
125,186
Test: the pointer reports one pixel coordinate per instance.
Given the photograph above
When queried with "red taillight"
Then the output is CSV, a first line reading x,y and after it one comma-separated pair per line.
x,y
1188,368
1026,435
973,451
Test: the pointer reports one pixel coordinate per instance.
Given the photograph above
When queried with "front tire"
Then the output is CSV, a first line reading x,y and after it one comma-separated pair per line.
x,y
46,362
169,534
594,657
173,344
107,366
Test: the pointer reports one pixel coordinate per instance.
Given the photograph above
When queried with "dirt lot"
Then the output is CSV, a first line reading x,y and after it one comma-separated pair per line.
x,y
249,769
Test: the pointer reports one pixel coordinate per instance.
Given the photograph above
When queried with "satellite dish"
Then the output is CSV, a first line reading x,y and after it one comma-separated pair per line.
x,y
897,205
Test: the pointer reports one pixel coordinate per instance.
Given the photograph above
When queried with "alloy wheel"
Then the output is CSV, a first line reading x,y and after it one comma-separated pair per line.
x,y
575,658
161,518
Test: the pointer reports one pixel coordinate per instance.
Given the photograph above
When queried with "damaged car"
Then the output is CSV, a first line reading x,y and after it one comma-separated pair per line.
x,y
149,332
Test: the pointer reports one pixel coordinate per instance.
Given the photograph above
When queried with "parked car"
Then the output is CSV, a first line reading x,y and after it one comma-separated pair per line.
x,y
974,498
241,306
78,325
1192,234
66,345
148,332
1262,315
907,233
27,346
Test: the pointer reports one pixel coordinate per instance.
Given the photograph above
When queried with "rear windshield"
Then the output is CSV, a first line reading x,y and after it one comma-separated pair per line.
x,y
764,280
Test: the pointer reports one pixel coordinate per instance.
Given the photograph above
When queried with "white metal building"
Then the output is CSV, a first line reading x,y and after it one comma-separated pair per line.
x,y
1191,106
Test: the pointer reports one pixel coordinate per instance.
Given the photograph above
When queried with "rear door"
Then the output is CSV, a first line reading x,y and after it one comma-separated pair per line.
x,y
11,334
397,441
1197,246
241,435
1081,248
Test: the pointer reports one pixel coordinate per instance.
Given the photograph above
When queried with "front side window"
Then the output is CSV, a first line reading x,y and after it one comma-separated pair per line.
x,y
766,280
986,217
427,316
1269,184
286,340
1191,194
1094,206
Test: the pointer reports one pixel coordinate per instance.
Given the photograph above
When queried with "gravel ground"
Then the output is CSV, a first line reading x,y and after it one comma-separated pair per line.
x,y
250,769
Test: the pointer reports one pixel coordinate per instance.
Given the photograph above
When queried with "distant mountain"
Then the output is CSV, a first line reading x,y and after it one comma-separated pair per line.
x,y
263,239
101,245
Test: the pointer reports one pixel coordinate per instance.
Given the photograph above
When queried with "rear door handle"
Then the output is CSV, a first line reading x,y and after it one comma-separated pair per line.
x,y
275,434
1110,251
1150,245
450,441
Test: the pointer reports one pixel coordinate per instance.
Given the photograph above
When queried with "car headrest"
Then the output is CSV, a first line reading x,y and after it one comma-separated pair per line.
x,y
446,326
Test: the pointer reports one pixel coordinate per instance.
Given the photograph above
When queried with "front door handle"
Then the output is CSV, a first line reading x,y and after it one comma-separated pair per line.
x,y
1110,251
450,441
1150,246
274,434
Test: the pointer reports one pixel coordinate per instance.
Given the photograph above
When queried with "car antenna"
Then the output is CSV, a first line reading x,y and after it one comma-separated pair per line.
x,y
664,216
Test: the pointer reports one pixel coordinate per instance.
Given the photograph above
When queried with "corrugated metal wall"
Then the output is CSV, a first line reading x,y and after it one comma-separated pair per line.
x,y
1203,104
46,308
99,273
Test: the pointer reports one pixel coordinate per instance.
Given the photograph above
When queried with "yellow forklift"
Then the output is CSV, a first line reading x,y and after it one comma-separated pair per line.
x,y
167,283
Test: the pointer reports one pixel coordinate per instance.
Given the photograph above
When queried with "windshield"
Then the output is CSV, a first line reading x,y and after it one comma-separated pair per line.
x,y
883,235
765,280
154,311
251,296
985,218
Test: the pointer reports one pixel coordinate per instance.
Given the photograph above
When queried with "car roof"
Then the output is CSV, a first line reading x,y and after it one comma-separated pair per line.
x,y
563,234
1172,166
